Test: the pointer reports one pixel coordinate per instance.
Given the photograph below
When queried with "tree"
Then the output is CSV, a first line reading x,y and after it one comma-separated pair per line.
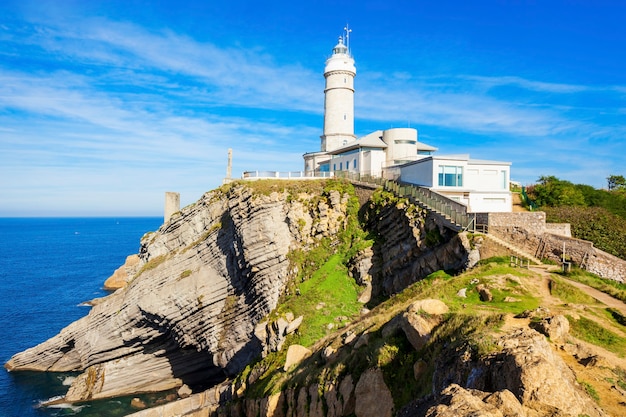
x,y
552,192
616,182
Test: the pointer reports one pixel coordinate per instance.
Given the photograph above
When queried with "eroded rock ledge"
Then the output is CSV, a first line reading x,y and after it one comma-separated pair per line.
x,y
192,304
204,281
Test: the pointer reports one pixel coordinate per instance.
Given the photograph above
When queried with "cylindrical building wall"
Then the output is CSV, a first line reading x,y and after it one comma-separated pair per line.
x,y
338,109
338,99
401,144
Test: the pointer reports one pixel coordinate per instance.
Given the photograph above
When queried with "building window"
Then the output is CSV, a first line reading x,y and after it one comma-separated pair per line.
x,y
354,164
504,183
340,166
344,117
450,176
404,142
334,167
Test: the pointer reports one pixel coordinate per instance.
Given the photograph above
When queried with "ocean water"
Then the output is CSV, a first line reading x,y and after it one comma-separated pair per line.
x,y
48,267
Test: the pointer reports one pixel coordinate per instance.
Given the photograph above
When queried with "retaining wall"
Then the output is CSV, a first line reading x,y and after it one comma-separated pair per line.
x,y
529,232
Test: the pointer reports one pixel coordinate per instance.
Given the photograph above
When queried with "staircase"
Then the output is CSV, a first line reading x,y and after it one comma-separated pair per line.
x,y
453,214
513,249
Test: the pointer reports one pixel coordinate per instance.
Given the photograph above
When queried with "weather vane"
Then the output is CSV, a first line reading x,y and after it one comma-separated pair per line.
x,y
347,30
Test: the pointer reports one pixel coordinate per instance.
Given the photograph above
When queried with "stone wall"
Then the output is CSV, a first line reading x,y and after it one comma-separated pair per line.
x,y
523,230
552,247
530,232
607,265
563,229
533,222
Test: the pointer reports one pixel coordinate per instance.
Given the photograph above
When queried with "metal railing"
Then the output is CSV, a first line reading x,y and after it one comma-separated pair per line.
x,y
285,175
453,211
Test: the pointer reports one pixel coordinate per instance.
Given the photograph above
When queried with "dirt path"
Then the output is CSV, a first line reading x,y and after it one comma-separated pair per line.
x,y
598,295
601,296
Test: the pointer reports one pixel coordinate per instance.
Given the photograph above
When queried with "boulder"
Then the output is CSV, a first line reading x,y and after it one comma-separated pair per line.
x,y
555,327
328,353
184,391
419,368
138,403
420,319
294,324
536,375
484,293
373,398
295,355
456,401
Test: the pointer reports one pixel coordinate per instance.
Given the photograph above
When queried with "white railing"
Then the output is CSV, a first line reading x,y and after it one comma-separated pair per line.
x,y
285,175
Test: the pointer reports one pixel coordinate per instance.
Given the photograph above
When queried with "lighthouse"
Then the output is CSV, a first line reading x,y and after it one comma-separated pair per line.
x,y
339,97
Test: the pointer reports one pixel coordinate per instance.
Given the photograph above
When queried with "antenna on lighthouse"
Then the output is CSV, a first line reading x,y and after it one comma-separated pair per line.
x,y
347,30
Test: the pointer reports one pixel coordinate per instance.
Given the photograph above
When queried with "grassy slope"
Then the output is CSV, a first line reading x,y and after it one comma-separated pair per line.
x,y
471,323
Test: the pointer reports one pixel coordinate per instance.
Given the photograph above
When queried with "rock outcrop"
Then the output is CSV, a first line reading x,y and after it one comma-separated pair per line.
x,y
124,274
415,245
188,316
527,366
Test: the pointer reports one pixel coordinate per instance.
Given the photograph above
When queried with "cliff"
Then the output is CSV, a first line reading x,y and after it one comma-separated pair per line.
x,y
248,300
205,280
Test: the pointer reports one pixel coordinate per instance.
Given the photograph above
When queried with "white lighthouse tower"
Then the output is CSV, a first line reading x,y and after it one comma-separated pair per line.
x,y
339,97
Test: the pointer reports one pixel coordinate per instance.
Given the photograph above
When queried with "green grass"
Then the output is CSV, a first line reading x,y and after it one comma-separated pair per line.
x,y
613,288
495,273
330,285
570,294
590,390
151,264
592,332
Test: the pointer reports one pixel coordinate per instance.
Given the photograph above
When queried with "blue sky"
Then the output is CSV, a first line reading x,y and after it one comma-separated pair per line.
x,y
105,105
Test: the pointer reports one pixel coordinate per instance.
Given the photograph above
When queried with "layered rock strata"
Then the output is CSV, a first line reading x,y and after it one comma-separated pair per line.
x,y
207,278
413,245
192,310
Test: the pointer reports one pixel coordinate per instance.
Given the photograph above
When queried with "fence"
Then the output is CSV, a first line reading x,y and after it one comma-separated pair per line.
x,y
284,175
451,210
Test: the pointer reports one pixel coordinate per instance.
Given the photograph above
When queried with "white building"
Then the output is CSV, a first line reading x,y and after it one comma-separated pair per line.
x,y
483,186
396,153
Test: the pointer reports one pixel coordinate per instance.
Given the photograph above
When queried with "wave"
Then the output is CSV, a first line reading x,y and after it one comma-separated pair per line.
x,y
56,402
68,380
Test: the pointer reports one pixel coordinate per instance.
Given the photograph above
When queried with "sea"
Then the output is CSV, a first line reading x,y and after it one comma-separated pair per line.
x,y
49,267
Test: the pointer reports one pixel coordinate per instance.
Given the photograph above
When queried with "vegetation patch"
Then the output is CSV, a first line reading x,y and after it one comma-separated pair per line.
x,y
570,294
592,332
590,390
151,264
327,300
614,288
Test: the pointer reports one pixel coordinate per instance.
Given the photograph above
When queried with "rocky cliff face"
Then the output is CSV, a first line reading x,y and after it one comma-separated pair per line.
x,y
413,245
204,281
524,378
